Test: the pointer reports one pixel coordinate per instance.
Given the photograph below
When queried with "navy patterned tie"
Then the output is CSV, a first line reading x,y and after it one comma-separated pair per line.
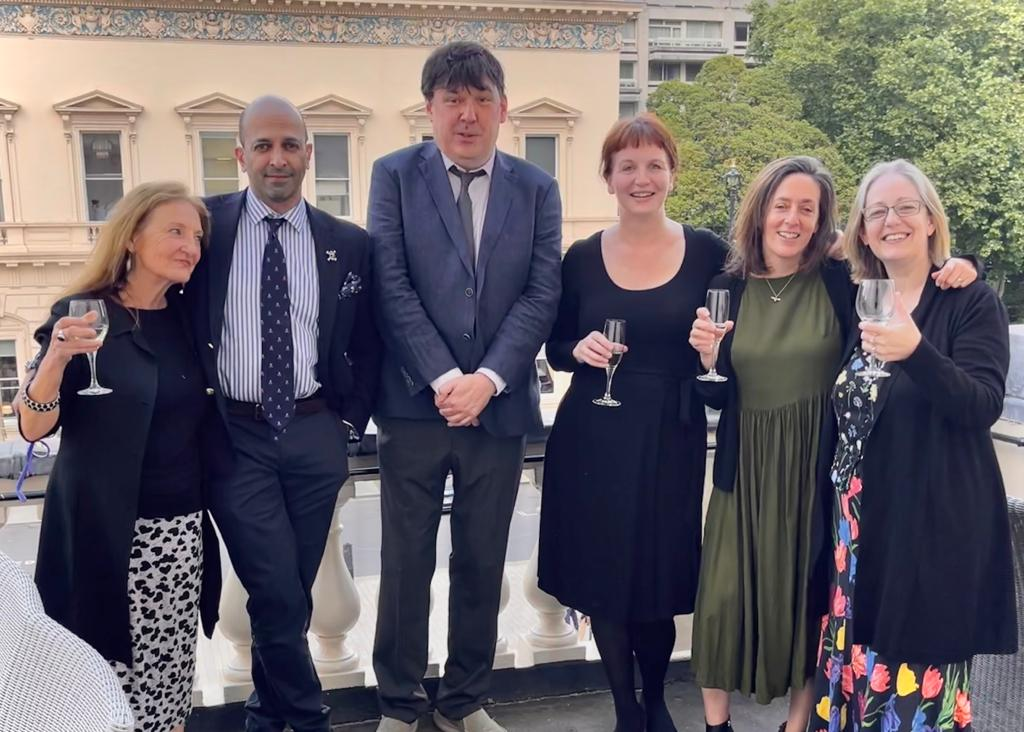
x,y
277,384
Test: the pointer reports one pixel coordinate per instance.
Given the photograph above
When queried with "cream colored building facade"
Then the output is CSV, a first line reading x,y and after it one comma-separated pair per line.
x,y
95,99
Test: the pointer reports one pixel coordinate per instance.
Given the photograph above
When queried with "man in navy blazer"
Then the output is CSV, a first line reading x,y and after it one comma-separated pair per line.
x,y
283,316
467,251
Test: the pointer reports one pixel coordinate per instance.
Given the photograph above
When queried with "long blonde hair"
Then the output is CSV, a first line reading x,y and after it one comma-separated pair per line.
x,y
864,265
106,271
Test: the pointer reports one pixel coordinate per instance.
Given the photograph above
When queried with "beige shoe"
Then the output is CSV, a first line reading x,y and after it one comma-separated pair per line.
x,y
387,724
478,721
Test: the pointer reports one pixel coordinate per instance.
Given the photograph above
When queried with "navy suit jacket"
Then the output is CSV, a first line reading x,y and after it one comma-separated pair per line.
x,y
348,347
435,312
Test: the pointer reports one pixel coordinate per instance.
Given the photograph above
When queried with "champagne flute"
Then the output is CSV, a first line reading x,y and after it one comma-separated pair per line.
x,y
876,301
78,309
718,306
615,331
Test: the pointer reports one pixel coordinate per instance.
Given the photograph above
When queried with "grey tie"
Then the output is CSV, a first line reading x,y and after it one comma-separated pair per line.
x,y
466,208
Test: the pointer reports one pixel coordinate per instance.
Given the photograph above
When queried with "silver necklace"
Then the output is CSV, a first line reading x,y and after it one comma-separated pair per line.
x,y
777,296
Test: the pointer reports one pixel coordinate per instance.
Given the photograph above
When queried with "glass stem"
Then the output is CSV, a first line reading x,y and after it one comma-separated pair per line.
x,y
92,369
714,358
609,373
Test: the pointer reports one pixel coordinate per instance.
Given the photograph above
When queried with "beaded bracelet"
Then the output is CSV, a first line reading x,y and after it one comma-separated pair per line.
x,y
41,407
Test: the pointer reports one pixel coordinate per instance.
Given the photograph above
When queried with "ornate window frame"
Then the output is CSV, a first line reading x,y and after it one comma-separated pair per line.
x,y
98,111
11,203
419,122
549,117
335,115
214,112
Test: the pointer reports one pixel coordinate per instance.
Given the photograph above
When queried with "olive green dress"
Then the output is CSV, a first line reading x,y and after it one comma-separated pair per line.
x,y
751,631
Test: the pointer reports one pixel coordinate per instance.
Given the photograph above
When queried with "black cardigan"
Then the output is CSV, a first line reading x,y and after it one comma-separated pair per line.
x,y
93,492
935,566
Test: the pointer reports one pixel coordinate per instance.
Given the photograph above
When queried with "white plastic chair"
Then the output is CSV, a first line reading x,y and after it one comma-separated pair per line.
x,y
50,679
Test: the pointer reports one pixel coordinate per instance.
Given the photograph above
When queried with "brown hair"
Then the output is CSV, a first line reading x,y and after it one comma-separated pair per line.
x,y
864,265
643,129
105,272
746,253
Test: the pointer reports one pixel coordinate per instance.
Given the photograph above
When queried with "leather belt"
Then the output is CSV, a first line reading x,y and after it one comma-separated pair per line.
x,y
308,405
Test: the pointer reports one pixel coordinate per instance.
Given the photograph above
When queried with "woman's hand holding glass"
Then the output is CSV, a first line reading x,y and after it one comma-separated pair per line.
x,y
596,350
894,340
71,337
704,334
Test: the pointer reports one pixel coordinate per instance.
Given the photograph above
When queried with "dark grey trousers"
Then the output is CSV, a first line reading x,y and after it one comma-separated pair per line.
x,y
415,458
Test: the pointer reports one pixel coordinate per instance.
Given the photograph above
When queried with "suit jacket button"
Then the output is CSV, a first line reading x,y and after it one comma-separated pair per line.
x,y
210,345
209,391
469,292
467,337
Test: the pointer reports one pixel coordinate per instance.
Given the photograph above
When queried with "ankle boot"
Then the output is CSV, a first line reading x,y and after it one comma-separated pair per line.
x,y
725,726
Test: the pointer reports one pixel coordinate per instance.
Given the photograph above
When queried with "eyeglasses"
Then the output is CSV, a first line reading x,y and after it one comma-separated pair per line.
x,y
903,209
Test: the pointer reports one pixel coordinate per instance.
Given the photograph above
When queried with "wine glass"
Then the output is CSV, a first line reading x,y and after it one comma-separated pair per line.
x,y
615,331
78,309
876,300
718,306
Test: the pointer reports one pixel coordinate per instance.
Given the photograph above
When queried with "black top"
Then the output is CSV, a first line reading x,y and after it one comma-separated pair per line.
x,y
934,523
170,484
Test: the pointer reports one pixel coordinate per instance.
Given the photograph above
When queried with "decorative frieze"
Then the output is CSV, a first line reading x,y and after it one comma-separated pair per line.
x,y
419,27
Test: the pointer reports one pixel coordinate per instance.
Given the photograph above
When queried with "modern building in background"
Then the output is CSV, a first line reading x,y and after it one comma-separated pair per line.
x,y
97,98
670,41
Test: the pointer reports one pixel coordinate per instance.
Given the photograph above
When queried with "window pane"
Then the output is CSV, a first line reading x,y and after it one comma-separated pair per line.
x,y
703,29
427,138
541,151
332,196
102,195
330,153
742,32
629,30
8,376
219,158
692,69
626,69
627,109
218,186
102,153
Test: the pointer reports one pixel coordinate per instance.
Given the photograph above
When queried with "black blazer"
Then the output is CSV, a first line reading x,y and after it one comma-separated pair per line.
x,y
348,348
92,496
935,568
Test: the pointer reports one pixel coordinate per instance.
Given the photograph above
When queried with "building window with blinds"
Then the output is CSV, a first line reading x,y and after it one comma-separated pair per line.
x,y
332,175
220,167
103,172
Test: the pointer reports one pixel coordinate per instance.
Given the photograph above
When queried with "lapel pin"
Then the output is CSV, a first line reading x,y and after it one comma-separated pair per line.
x,y
332,255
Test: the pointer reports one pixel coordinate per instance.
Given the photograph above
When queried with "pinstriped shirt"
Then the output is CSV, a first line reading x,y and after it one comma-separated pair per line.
x,y
238,362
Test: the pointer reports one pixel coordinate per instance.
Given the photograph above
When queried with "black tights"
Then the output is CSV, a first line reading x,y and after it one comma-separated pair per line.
x,y
651,645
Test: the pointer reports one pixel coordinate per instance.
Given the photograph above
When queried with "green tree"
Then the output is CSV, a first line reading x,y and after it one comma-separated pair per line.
x,y
939,82
732,113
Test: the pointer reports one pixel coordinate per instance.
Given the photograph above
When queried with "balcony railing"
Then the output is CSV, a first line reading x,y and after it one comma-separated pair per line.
x,y
687,44
629,84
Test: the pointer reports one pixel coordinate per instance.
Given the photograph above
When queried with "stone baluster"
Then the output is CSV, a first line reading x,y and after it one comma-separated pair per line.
x,y
504,657
336,608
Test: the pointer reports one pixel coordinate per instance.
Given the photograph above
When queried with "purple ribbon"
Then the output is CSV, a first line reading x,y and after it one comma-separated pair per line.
x,y
26,469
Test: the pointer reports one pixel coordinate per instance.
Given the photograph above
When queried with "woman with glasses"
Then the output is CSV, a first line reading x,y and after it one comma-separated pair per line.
x,y
923,567
763,580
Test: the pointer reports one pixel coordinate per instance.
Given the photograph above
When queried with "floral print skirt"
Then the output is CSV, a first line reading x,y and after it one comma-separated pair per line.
x,y
855,688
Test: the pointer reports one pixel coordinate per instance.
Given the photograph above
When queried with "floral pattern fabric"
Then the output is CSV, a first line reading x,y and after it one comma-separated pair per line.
x,y
857,689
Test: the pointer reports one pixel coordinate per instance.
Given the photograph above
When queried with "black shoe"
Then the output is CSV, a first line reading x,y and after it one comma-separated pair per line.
x,y
725,726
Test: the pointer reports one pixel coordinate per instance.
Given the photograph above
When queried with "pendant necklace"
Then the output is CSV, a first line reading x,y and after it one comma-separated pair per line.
x,y
777,296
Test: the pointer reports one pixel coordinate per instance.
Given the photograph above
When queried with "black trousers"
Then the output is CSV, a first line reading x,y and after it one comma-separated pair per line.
x,y
274,512
415,458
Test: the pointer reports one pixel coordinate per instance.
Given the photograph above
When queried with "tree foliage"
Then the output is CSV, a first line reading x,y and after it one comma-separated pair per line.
x,y
939,82
732,113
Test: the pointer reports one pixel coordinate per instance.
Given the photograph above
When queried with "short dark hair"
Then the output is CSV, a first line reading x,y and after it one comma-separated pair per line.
x,y
746,254
643,129
461,65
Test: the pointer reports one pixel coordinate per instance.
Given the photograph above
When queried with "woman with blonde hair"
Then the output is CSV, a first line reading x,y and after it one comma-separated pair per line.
x,y
127,556
923,567
763,581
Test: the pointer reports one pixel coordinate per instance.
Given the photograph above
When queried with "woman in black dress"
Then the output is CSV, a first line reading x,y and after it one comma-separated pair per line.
x,y
124,537
621,512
